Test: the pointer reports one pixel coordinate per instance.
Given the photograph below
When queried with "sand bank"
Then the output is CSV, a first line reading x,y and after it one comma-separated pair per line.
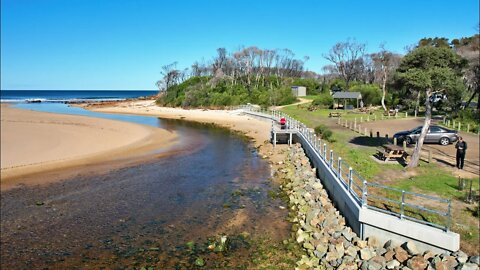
x,y
33,142
258,130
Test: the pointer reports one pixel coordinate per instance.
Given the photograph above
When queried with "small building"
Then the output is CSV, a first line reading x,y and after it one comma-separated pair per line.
x,y
299,91
345,96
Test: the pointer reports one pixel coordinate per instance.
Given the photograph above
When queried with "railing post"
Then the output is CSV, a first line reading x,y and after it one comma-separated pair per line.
x,y
402,206
364,193
331,158
340,167
314,141
325,151
449,215
350,179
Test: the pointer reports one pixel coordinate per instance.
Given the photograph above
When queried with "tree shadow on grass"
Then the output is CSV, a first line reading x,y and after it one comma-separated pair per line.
x,y
368,141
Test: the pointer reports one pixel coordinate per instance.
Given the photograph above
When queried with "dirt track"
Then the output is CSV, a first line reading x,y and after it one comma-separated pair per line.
x,y
441,154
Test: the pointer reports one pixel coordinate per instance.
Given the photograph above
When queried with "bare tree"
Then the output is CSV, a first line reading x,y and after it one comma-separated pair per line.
x,y
345,57
385,63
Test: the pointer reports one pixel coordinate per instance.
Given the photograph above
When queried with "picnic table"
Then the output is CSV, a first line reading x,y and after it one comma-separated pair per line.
x,y
334,114
391,151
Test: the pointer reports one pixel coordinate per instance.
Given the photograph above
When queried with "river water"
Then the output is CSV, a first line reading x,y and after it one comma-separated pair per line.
x,y
167,213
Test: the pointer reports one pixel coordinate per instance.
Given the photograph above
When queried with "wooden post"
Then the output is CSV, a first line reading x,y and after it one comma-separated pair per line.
x,y
406,114
468,127
459,126
429,156
395,140
339,120
371,133
368,118
361,119
378,134
404,145
355,123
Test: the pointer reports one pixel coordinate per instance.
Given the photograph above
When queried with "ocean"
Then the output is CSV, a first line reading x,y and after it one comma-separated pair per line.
x,y
62,96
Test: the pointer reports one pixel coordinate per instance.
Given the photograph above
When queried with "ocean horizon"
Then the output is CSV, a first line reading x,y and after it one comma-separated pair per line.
x,y
62,96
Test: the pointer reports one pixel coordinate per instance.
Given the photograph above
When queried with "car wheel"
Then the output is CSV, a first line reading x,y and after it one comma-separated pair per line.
x,y
409,140
444,141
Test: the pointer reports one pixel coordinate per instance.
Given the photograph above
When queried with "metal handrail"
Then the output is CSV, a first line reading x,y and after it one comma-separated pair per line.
x,y
353,178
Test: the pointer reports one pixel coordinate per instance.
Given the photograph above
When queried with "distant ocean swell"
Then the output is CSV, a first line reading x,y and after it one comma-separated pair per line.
x,y
19,96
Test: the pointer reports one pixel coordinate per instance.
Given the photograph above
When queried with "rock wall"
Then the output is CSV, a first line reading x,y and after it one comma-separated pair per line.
x,y
330,244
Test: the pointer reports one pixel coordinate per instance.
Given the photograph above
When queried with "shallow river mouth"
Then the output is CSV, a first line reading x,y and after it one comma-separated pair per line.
x,y
168,213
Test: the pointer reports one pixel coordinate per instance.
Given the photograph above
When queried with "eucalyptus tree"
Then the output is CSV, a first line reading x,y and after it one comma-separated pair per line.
x,y
385,63
346,57
430,70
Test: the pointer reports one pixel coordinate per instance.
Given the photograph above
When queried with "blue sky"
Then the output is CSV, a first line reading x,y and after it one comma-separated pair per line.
x,y
122,44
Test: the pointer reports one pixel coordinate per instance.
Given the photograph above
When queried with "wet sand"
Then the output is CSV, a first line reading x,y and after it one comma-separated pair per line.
x,y
256,129
34,142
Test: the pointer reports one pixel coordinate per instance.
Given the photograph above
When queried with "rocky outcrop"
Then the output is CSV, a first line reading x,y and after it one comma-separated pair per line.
x,y
330,244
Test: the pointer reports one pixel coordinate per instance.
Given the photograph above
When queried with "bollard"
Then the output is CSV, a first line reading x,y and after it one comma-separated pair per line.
x,y
468,128
406,114
378,134
395,140
355,124
459,126
366,134
404,145
361,119
371,133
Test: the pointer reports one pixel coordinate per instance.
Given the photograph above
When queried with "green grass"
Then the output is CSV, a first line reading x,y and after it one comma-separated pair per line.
x,y
359,157
349,115
432,180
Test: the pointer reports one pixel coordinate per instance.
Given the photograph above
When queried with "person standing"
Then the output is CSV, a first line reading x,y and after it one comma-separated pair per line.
x,y
461,150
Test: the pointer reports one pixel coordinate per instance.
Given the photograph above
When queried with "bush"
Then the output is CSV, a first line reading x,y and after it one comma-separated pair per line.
x,y
371,93
324,133
323,101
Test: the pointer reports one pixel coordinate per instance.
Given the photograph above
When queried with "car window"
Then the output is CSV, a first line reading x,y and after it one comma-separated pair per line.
x,y
435,130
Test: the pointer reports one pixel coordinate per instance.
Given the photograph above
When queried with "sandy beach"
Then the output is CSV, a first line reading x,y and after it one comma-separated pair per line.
x,y
35,142
256,129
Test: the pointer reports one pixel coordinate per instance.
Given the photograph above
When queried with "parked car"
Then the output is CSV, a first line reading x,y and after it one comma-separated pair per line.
x,y
436,134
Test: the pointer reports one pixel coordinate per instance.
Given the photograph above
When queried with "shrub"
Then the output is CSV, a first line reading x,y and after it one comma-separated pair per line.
x,y
371,93
323,101
324,133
